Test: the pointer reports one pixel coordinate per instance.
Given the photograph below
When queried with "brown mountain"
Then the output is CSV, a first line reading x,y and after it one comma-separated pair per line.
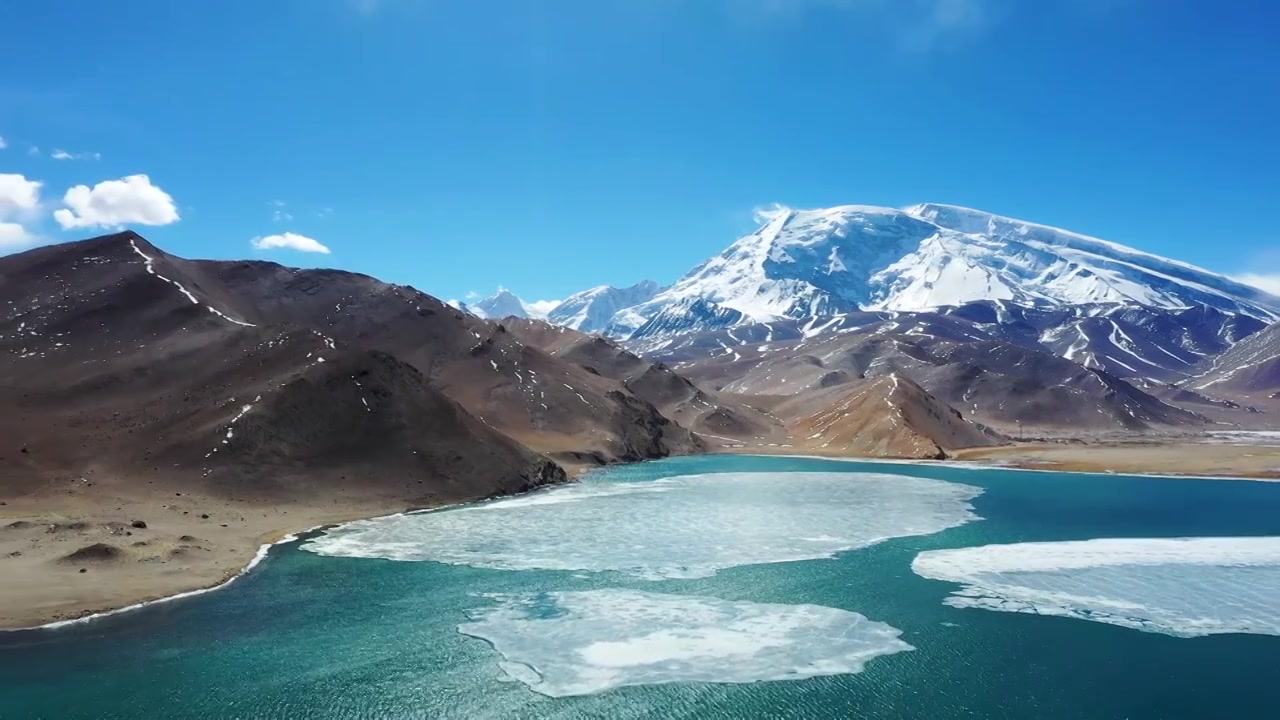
x,y
888,416
121,364
252,378
720,418
552,406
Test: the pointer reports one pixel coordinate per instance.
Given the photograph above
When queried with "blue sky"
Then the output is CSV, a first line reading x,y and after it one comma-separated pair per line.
x,y
551,146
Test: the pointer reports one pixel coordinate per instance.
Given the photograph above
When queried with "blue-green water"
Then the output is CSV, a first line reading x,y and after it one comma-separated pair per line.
x,y
310,636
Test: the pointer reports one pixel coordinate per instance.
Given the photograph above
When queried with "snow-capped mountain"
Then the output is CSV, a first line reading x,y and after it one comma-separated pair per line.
x,y
504,303
1128,341
590,311
804,263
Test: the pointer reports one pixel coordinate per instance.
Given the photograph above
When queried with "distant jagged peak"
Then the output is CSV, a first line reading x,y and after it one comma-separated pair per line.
x,y
592,310
503,303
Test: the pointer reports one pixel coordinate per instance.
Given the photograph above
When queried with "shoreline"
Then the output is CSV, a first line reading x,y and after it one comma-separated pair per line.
x,y
1028,458
976,465
258,557
1199,460
72,555
46,592
285,537
1184,457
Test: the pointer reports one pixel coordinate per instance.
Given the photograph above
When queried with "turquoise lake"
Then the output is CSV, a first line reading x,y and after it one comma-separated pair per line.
x,y
717,587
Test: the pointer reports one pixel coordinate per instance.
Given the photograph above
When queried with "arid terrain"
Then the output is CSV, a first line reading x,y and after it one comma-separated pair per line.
x,y
142,387
164,418
1192,456
94,549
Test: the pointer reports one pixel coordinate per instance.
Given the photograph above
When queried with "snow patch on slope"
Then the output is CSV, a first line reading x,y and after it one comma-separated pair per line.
x,y
150,265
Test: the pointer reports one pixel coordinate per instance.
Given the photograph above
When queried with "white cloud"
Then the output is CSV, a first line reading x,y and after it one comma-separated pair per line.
x,y
3,144
1262,281
472,295
33,150
18,194
540,308
13,234
111,203
59,154
291,241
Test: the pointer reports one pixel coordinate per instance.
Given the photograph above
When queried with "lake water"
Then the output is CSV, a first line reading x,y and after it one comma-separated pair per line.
x,y
722,587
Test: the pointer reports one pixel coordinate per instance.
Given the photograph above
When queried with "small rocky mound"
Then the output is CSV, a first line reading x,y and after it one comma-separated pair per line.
x,y
59,527
95,553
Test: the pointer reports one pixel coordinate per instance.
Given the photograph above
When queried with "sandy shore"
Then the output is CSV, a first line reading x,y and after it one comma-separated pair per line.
x,y
1191,457
81,553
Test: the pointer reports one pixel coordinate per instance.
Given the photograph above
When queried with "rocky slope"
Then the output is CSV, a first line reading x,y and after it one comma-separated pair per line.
x,y
720,418
887,416
550,405
1249,368
1129,341
251,379
994,381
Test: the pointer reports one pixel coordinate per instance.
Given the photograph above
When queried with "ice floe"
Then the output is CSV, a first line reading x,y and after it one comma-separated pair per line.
x,y
682,527
1178,586
579,643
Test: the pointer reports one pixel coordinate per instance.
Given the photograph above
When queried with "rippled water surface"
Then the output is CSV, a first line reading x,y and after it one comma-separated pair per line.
x,y
722,587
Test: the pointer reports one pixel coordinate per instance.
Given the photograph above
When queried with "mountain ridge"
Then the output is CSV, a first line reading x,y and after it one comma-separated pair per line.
x,y
925,257
849,258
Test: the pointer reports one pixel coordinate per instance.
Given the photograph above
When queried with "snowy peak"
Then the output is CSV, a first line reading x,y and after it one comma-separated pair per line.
x,y
504,303
499,305
803,263
591,310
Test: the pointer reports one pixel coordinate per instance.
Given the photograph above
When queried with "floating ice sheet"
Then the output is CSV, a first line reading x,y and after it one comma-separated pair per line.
x,y
1182,586
683,527
578,643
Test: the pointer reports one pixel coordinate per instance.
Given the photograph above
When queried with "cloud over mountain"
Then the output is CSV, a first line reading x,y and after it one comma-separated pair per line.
x,y
114,203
